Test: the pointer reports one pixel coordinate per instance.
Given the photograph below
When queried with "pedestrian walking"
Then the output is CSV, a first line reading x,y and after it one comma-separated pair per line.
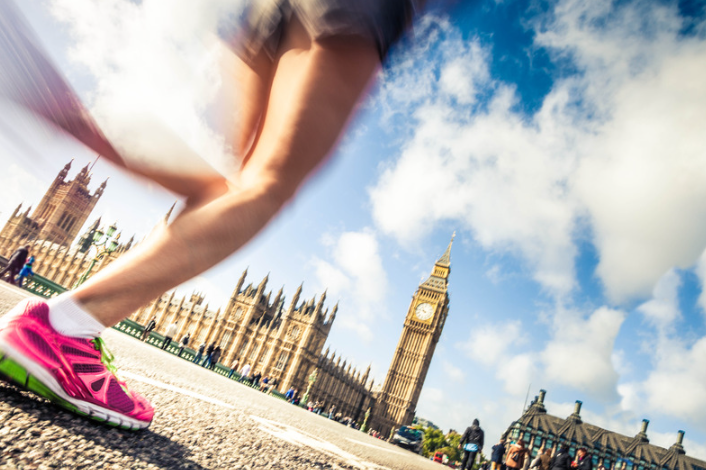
x,y
245,373
199,353
15,263
209,355
562,459
289,396
25,272
472,444
256,379
233,368
215,357
149,328
304,68
169,335
331,412
184,343
496,455
542,461
583,460
516,455
272,385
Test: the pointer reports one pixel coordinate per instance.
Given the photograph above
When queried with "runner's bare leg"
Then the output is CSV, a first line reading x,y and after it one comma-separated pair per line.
x,y
315,87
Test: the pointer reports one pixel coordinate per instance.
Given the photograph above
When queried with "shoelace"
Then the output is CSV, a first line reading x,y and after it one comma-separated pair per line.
x,y
107,360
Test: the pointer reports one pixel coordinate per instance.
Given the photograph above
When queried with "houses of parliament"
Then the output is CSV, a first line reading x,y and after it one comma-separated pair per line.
x,y
280,338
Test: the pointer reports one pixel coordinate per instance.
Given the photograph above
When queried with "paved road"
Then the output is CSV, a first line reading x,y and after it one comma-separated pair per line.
x,y
203,421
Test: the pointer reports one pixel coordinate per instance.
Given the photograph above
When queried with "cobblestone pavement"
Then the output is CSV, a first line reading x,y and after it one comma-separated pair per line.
x,y
203,421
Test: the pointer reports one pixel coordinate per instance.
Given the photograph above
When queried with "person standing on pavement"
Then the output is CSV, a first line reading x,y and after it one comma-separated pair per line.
x,y
169,335
25,272
149,328
583,460
562,459
233,368
516,455
209,355
496,455
184,343
545,458
15,263
472,444
215,357
199,353
245,373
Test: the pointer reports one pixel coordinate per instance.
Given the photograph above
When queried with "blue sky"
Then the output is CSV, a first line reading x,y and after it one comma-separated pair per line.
x,y
562,141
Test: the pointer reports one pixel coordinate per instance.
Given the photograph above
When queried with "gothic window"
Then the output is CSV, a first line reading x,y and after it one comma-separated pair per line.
x,y
238,314
263,356
61,220
282,361
294,332
202,336
226,339
253,353
242,349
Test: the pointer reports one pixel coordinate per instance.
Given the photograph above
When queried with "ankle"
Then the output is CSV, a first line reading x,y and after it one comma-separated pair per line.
x,y
70,318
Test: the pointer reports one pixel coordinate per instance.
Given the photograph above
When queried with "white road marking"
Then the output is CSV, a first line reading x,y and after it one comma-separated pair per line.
x,y
301,438
378,447
282,431
172,388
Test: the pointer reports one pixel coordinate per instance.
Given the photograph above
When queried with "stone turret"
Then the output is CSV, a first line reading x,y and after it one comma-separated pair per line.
x,y
332,316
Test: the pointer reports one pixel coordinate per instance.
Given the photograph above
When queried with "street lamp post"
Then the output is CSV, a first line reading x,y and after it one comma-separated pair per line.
x,y
105,244
364,427
312,379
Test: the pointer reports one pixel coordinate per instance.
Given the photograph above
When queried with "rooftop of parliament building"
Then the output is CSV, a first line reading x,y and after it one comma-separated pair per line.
x,y
610,449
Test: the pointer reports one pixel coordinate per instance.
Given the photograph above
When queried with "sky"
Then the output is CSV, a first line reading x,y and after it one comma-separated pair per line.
x,y
562,141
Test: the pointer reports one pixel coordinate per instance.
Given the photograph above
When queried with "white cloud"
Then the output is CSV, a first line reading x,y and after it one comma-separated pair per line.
x,y
580,351
453,373
618,146
355,275
156,67
663,309
676,383
489,344
701,272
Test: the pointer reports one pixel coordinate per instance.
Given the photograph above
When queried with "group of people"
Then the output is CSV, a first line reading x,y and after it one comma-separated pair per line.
x,y
19,266
208,356
516,456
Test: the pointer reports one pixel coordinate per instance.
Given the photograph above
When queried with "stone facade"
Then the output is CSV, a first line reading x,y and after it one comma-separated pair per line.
x,y
612,450
54,225
60,214
279,340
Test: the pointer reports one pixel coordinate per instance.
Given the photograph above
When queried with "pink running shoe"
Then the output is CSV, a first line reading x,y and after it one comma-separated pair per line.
x,y
74,373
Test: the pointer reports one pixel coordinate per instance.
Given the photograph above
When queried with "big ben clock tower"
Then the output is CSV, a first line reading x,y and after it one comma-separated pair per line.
x,y
397,401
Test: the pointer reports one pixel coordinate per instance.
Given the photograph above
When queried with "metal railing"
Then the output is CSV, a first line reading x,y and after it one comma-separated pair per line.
x,y
43,287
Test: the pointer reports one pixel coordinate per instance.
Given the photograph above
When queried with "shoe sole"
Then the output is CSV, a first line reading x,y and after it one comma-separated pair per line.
x,y
29,375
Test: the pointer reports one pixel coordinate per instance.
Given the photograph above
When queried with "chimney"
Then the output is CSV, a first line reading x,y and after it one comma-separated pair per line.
x,y
645,422
542,394
577,407
677,446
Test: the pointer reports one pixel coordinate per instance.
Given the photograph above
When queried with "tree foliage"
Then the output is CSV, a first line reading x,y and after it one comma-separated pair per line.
x,y
435,441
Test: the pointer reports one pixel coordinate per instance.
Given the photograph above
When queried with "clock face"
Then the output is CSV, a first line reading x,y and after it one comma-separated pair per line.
x,y
424,311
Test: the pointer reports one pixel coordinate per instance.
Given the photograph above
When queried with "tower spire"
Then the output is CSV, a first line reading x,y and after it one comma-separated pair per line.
x,y
445,259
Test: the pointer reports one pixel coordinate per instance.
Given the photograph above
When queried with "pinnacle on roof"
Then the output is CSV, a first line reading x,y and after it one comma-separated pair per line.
x,y
445,259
